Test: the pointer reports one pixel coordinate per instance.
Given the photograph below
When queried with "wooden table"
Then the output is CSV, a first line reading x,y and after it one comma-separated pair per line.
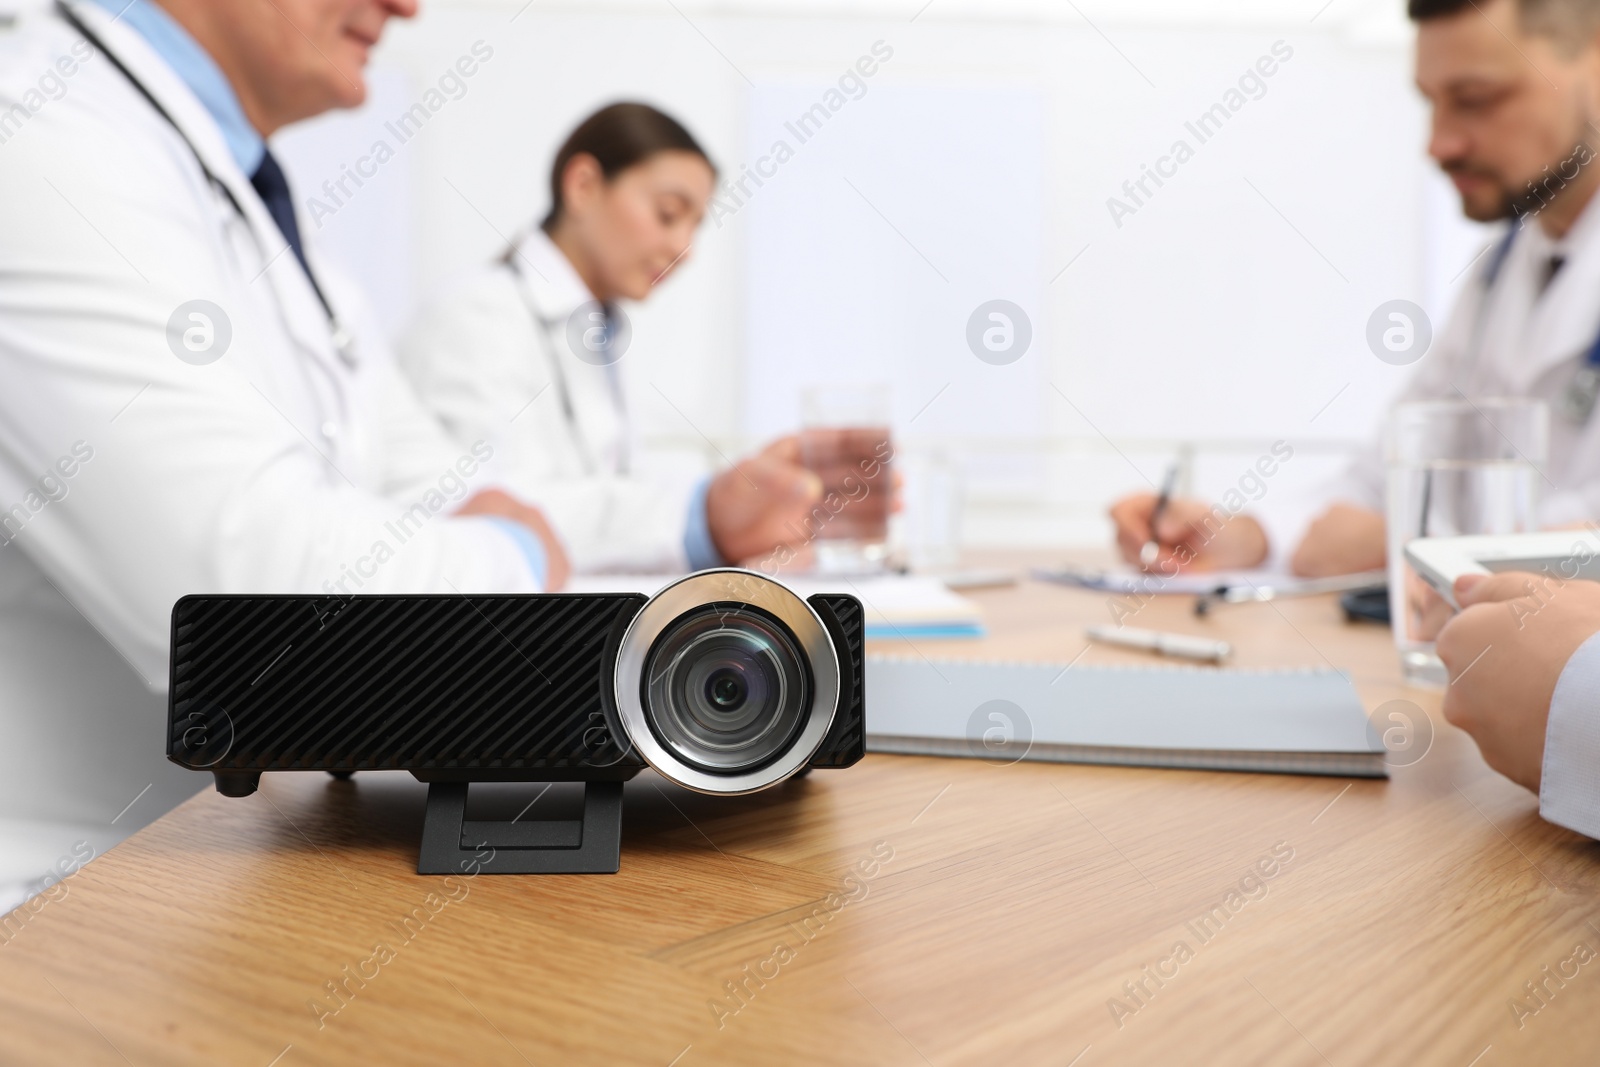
x,y
905,911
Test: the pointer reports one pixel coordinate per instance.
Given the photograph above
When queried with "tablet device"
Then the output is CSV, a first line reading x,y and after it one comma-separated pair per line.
x,y
1563,554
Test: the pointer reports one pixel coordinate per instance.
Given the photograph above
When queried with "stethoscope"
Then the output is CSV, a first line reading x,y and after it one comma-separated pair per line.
x,y
344,342
1578,399
542,328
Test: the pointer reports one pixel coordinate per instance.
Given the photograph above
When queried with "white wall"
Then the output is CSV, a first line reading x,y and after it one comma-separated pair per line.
x,y
1226,312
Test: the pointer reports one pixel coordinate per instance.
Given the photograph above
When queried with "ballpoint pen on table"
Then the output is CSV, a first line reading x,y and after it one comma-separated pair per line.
x,y
1181,645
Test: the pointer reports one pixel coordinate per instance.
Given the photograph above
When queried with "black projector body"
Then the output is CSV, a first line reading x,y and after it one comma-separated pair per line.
x,y
724,682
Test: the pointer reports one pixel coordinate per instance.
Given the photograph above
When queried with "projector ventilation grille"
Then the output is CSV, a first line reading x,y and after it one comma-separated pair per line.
x,y
394,683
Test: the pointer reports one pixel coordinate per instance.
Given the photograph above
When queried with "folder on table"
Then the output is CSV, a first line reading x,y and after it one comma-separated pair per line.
x,y
1301,721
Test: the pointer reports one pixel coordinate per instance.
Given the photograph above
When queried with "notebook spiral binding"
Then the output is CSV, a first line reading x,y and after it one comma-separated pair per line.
x,y
1102,668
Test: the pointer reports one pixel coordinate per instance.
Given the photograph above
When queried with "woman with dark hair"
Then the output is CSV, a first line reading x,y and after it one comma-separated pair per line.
x,y
525,355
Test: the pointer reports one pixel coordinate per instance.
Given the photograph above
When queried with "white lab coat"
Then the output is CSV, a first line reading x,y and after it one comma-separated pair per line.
x,y
1511,340
1569,783
491,357
273,469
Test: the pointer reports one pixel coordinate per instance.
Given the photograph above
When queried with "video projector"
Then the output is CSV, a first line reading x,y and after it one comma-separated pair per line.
x,y
724,682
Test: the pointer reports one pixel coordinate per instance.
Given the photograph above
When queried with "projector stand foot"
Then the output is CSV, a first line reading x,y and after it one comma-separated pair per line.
x,y
591,845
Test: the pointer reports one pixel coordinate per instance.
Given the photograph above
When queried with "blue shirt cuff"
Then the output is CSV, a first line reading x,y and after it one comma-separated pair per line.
x,y
532,547
697,544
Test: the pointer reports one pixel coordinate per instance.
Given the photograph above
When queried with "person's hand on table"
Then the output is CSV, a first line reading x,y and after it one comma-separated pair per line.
x,y
1505,651
1345,539
503,505
1191,535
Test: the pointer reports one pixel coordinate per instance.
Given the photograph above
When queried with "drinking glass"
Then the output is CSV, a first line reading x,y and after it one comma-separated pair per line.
x,y
1455,468
931,522
844,440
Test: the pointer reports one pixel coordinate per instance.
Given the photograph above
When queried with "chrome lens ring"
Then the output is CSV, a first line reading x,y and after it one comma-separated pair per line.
x,y
683,598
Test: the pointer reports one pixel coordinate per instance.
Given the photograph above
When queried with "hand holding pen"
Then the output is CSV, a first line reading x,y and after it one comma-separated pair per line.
x,y
1165,533
1150,551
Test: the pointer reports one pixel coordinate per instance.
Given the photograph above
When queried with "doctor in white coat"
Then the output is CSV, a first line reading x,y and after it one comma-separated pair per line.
x,y
1514,105
529,354
1524,653
192,399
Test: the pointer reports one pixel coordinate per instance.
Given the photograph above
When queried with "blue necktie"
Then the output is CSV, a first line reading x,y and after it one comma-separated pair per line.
x,y
1551,269
273,187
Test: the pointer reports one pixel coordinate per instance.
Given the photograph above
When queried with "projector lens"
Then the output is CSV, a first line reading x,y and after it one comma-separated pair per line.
x,y
726,688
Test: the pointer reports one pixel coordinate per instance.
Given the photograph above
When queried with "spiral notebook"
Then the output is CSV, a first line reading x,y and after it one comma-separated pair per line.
x,y
1290,721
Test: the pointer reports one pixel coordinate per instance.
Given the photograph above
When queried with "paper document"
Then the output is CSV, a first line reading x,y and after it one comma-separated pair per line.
x,y
1127,580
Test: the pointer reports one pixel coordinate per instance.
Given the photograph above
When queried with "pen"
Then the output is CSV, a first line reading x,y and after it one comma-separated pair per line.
x,y
1152,548
1180,645
956,580
1248,592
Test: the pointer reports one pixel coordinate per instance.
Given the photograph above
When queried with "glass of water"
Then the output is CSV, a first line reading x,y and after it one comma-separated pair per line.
x,y
1455,468
845,441
931,523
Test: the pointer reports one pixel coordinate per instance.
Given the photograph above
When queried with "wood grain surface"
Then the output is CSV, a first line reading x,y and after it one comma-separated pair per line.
x,y
905,911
